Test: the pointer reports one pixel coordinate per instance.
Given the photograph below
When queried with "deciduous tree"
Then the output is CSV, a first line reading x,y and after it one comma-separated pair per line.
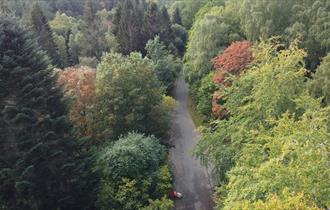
x,y
125,97
79,85
211,33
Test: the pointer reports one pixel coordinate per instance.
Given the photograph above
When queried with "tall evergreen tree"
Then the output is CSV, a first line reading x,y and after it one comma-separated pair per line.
x,y
72,58
4,9
40,165
177,17
166,34
152,20
89,13
42,30
129,26
90,30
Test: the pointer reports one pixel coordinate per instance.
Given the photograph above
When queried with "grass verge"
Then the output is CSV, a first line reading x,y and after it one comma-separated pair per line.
x,y
196,117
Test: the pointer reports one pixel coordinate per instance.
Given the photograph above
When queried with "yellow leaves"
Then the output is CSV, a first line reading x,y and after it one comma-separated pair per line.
x,y
284,201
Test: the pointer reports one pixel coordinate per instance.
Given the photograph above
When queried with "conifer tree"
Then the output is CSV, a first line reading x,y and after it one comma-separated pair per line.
x,y
129,26
4,9
90,30
89,14
166,34
177,17
42,30
152,20
40,165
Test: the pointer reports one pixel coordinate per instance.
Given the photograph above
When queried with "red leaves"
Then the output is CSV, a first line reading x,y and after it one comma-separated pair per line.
x,y
232,61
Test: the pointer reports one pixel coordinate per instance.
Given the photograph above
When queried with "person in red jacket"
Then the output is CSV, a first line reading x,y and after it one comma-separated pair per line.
x,y
174,194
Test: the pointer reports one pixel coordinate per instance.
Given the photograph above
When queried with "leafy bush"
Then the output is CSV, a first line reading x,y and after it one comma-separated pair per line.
x,y
160,204
162,115
132,174
205,93
131,156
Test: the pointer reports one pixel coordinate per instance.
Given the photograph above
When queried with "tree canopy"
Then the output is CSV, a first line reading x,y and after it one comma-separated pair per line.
x,y
40,167
262,147
126,98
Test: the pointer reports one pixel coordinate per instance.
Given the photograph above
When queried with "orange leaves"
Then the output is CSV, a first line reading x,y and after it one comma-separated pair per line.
x,y
79,85
232,61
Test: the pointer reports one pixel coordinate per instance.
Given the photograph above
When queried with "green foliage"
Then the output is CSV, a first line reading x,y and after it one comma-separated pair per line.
x,y
136,22
293,155
287,201
167,67
211,33
272,140
41,29
93,32
160,204
205,94
41,166
161,116
126,194
131,156
258,22
83,38
320,85
164,181
125,96
180,37
62,23
307,20
128,26
132,175
176,19
188,9
65,28
88,61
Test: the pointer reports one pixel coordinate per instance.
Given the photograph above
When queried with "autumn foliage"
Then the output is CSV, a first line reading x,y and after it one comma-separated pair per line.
x,y
79,85
231,62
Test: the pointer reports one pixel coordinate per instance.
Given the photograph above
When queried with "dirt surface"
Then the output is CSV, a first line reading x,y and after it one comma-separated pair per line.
x,y
190,177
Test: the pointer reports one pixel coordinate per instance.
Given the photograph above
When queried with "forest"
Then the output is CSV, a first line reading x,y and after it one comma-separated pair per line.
x,y
87,103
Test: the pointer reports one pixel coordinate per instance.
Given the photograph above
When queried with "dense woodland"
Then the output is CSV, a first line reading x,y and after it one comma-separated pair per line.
x,y
86,106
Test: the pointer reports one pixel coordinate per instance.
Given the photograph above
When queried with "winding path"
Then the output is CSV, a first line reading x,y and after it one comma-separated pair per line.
x,y
190,177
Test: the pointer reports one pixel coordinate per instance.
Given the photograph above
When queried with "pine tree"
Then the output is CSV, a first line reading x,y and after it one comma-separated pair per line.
x,y
72,58
176,19
4,9
152,20
89,13
90,29
166,34
42,30
129,26
40,165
